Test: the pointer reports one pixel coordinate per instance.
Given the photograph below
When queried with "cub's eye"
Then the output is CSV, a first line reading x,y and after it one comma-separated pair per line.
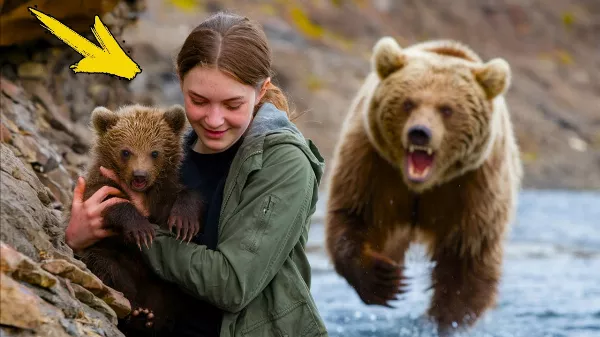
x,y
408,105
154,154
125,153
446,110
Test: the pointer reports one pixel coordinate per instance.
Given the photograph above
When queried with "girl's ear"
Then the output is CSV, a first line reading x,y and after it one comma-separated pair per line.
x,y
263,89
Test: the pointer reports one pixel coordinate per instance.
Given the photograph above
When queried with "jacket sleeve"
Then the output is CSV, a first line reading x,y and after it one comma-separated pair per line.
x,y
255,241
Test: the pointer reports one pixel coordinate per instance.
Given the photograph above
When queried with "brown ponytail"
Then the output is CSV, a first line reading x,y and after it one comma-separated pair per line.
x,y
275,96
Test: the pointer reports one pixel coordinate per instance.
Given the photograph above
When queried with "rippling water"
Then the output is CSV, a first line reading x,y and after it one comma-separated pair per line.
x,y
550,286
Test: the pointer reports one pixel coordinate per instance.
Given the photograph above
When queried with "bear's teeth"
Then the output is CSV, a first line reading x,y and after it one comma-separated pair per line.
x,y
412,148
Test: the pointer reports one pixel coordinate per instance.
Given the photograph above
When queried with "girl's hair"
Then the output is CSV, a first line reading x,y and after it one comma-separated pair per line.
x,y
235,45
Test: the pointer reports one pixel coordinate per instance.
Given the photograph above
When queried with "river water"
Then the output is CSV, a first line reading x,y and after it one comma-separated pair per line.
x,y
550,286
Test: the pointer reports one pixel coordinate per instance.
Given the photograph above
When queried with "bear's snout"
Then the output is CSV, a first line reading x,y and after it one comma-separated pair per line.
x,y
140,174
140,180
419,135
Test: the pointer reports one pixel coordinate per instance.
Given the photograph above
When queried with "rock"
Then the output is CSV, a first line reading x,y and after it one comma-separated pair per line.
x,y
32,70
88,298
51,305
24,310
70,271
45,139
100,93
19,26
27,147
58,118
23,213
117,302
10,89
22,268
36,312
60,184
5,134
58,255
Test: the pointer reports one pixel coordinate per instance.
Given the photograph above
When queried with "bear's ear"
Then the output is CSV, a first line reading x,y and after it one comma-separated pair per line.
x,y
387,57
175,117
494,77
103,119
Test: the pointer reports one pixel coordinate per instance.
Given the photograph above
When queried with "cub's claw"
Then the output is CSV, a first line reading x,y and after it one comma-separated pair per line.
x,y
186,228
141,232
185,215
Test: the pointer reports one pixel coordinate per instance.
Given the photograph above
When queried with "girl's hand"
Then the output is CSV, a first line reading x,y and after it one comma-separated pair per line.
x,y
85,225
136,198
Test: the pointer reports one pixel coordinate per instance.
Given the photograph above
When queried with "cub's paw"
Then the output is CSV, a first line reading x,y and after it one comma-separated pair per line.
x,y
185,216
140,231
141,318
378,280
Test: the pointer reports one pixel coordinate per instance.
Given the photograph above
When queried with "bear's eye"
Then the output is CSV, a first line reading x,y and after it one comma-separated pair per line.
x,y
446,110
408,105
154,154
125,153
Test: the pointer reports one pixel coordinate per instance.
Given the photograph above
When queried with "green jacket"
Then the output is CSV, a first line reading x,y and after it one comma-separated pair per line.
x,y
259,274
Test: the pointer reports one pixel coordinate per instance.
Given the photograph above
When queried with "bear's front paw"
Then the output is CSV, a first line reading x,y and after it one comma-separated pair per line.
x,y
140,231
379,280
141,317
186,220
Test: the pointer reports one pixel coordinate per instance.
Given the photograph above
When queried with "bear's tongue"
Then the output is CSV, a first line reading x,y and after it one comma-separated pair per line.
x,y
138,183
419,163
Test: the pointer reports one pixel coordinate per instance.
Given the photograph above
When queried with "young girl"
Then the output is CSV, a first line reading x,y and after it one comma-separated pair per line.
x,y
260,179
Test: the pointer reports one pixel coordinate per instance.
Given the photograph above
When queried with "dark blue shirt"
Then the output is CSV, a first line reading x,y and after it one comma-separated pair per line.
x,y
206,173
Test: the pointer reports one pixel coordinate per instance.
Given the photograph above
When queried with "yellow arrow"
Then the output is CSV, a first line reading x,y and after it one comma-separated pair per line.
x,y
110,59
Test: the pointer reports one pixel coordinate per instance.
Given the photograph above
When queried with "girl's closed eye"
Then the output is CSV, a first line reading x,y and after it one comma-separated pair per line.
x,y
233,106
199,102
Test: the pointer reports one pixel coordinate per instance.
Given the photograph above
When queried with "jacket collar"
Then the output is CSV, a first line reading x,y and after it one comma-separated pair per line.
x,y
268,121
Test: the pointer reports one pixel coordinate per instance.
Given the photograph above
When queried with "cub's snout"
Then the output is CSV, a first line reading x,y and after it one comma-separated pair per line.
x,y
139,180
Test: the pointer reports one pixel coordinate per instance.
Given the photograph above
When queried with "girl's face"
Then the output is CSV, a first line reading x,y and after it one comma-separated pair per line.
x,y
218,107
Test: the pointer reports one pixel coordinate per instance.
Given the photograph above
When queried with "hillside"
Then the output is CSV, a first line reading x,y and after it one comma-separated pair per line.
x,y
321,51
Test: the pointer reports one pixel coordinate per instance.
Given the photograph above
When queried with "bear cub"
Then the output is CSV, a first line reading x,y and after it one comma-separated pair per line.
x,y
143,146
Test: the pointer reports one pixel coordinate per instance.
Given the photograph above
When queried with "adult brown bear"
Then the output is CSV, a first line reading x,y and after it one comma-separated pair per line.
x,y
427,154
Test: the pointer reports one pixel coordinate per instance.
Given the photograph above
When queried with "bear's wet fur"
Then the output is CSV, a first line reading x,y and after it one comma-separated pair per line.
x,y
426,154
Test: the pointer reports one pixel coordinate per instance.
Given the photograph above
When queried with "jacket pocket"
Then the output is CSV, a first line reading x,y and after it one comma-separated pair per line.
x,y
262,215
295,320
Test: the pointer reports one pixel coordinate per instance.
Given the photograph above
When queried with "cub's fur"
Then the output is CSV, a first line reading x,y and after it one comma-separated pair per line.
x,y
143,146
427,153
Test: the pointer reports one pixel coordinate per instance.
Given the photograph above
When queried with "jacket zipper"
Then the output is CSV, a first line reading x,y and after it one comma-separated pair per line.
x,y
226,200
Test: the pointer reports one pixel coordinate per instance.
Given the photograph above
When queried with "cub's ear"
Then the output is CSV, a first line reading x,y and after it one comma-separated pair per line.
x,y
103,119
175,117
387,57
494,77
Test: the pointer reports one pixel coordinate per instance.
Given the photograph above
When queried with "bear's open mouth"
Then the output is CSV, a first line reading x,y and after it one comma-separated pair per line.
x,y
139,183
419,161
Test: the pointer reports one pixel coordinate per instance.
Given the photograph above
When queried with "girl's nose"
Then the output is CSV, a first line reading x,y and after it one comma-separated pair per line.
x,y
214,118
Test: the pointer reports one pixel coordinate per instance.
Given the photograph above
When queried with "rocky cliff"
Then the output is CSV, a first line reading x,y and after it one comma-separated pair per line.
x,y
45,109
